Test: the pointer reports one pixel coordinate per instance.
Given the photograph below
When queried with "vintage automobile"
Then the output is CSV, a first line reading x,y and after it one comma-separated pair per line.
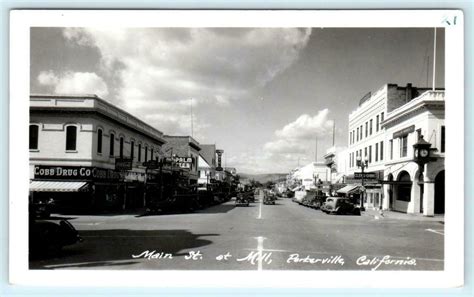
x,y
339,205
269,199
241,200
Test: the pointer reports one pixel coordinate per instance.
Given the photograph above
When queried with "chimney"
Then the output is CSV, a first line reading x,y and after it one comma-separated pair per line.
x,y
408,93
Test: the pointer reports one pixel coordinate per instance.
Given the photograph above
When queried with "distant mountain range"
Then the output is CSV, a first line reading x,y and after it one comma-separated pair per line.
x,y
262,178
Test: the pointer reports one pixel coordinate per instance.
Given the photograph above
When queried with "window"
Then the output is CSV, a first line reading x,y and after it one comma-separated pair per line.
x,y
353,136
361,132
151,154
139,152
365,153
403,146
71,137
360,153
357,134
132,149
381,151
381,117
366,129
99,141
377,123
121,148
350,137
376,152
443,138
371,122
112,144
391,149
370,154
146,153
34,137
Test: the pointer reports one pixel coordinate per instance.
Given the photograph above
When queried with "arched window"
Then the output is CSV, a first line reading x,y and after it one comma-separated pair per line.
x,y
34,137
404,187
139,152
121,147
71,138
112,143
99,141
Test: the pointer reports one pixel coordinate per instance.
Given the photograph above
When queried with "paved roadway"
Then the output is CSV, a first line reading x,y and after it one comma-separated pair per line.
x,y
285,236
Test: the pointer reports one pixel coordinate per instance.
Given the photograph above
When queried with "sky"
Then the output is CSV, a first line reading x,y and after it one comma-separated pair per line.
x,y
268,97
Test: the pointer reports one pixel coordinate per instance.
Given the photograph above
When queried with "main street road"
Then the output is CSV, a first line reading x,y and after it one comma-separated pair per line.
x,y
285,236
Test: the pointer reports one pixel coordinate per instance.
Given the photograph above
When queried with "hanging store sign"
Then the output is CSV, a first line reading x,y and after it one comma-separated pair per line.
x,y
365,175
123,164
183,162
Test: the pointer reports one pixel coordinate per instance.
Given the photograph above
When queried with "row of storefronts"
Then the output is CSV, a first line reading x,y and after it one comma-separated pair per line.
x,y
89,155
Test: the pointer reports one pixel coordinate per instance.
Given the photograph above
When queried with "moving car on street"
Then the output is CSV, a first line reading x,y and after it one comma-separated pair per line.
x,y
241,200
339,205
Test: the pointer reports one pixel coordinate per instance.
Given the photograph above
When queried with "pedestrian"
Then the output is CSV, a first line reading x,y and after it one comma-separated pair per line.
x,y
381,211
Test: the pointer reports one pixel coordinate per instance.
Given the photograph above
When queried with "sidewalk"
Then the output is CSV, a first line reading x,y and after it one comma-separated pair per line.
x,y
401,216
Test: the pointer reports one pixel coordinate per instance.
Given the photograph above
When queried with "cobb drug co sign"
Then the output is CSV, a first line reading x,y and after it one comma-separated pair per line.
x,y
73,172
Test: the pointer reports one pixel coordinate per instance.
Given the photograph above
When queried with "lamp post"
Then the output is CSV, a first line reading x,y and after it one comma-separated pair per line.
x,y
362,163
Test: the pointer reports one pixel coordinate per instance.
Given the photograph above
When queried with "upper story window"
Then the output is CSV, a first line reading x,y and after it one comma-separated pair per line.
x,y
34,131
146,153
381,116
376,152
121,147
112,144
99,141
350,137
366,129
361,132
391,149
370,154
357,133
381,151
71,138
139,152
151,154
404,146
377,123
370,128
132,149
443,137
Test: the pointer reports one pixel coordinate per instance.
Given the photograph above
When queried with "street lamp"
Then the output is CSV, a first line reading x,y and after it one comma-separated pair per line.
x,y
362,163
422,155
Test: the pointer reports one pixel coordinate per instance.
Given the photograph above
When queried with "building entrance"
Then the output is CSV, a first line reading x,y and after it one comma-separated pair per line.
x,y
439,193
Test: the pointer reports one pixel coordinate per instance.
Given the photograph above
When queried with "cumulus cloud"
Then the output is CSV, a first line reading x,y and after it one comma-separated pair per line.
x,y
306,126
74,83
213,66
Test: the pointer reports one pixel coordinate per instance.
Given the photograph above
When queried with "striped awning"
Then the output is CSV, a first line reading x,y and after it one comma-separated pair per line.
x,y
348,189
58,186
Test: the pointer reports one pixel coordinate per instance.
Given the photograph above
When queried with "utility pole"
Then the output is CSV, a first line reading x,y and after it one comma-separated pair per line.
x,y
192,121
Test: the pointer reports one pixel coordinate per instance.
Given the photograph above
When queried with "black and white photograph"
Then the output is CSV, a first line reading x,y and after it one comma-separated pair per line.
x,y
238,148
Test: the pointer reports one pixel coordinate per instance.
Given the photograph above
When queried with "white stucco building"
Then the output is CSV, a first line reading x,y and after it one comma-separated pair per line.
x,y
406,190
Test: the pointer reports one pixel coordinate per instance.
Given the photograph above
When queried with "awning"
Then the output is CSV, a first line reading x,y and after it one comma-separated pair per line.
x,y
348,189
57,186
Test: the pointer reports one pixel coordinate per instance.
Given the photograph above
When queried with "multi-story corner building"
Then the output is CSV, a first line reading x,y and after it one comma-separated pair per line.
x,y
366,137
74,144
207,164
408,189
185,152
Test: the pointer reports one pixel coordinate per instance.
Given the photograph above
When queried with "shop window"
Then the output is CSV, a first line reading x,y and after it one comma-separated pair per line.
x,y
71,138
132,149
139,152
404,187
381,151
121,148
99,141
34,129
403,146
443,137
112,144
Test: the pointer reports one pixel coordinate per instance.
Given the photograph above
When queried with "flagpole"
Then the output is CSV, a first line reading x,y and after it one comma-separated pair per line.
x,y
434,59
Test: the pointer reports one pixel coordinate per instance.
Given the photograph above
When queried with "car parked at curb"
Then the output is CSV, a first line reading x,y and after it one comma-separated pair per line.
x,y
340,206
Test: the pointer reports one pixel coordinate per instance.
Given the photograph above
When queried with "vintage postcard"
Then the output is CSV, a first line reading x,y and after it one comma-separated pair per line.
x,y
237,148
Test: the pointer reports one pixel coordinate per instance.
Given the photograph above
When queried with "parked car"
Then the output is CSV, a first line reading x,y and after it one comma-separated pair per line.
x,y
339,205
